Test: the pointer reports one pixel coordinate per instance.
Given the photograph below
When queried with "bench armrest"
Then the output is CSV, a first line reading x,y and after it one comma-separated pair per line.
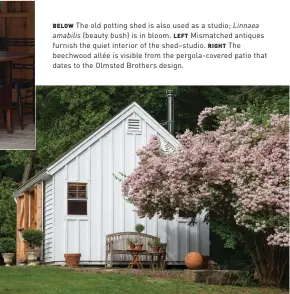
x,y
109,246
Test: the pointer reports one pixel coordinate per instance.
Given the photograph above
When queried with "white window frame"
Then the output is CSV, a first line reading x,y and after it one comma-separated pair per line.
x,y
81,199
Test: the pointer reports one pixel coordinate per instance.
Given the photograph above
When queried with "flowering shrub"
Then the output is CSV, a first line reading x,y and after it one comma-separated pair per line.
x,y
238,171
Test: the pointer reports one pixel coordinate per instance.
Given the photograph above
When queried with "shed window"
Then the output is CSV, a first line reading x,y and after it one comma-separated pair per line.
x,y
77,199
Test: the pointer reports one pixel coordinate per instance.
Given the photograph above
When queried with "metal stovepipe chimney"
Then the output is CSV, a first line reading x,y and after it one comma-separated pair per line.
x,y
170,111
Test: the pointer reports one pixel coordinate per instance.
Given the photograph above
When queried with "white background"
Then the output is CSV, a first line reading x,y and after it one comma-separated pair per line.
x,y
273,17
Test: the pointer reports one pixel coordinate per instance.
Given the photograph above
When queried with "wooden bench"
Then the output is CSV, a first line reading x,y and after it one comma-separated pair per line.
x,y
117,243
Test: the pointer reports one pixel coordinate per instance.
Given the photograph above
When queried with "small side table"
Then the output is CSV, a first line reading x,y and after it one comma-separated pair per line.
x,y
136,258
161,259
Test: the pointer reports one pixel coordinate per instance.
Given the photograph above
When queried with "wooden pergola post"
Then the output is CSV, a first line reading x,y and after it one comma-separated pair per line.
x,y
39,207
22,224
29,215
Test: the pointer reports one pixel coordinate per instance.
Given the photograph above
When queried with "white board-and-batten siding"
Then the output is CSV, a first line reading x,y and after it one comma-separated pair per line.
x,y
48,221
108,212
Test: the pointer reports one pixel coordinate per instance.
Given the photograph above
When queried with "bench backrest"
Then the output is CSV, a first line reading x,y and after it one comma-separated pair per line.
x,y
120,240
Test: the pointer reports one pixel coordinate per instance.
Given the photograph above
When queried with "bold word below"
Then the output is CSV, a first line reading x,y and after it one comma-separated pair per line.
x,y
63,25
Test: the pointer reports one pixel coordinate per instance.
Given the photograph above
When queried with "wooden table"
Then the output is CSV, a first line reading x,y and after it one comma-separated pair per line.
x,y
161,259
7,58
136,258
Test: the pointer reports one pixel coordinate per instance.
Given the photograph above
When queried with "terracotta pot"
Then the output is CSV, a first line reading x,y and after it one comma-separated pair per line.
x,y
32,256
193,260
162,250
132,246
72,260
138,246
8,258
155,248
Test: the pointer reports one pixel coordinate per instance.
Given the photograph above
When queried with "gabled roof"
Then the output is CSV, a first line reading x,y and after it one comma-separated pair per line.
x,y
91,139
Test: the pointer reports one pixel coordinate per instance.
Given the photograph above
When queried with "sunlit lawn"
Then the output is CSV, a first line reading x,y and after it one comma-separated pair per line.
x,y
46,280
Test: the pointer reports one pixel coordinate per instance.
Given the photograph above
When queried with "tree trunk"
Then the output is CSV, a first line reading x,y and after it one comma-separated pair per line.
x,y
271,262
28,167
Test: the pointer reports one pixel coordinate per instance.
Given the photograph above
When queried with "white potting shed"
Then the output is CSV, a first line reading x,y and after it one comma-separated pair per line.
x,y
82,200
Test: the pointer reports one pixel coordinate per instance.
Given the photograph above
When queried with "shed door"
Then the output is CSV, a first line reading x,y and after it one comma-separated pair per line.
x,y
188,236
22,224
184,239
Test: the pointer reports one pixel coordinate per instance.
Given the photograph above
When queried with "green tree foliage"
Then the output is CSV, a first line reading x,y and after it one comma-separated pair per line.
x,y
66,115
7,208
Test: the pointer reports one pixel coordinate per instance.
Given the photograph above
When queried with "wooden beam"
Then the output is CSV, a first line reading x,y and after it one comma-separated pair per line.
x,y
26,210
25,224
22,224
18,216
39,207
18,233
33,208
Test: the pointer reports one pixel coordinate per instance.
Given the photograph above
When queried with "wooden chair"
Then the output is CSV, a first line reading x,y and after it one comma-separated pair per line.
x,y
22,83
5,104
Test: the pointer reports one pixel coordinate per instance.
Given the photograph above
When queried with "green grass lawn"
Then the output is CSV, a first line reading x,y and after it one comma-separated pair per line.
x,y
45,280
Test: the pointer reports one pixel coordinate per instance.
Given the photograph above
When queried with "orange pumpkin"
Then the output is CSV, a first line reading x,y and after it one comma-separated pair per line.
x,y
193,260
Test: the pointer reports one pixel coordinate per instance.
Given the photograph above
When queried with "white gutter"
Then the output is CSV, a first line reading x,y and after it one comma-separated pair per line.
x,y
34,180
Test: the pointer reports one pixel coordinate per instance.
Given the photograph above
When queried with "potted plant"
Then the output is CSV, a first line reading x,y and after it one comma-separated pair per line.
x,y
162,247
155,245
7,248
72,259
34,240
139,228
131,243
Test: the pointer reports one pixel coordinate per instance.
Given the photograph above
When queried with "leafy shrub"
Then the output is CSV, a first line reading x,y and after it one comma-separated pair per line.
x,y
245,279
7,245
7,207
33,237
139,228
